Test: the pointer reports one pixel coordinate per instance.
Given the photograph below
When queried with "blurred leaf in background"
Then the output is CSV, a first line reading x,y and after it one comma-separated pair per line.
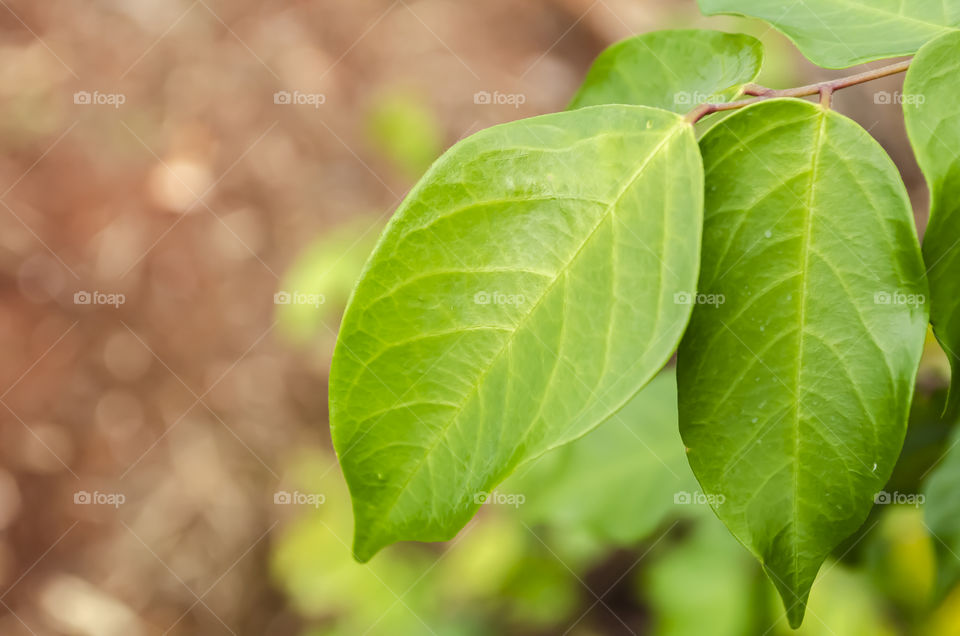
x,y
404,130
313,565
706,584
618,483
945,621
900,559
493,575
327,269
942,510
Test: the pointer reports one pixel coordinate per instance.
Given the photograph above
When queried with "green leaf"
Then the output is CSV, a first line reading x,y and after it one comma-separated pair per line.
x,y
898,552
673,70
931,94
521,295
795,384
842,33
941,512
617,484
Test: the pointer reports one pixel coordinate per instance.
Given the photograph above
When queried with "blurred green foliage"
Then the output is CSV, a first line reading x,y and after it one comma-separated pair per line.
x,y
720,585
617,484
326,269
403,130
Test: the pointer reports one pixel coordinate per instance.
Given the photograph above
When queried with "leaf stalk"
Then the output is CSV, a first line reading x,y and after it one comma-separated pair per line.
x,y
824,89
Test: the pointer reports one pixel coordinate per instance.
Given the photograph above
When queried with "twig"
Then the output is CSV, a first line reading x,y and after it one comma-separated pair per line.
x,y
824,89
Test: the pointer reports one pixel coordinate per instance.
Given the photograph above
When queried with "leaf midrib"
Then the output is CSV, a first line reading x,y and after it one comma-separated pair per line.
x,y
804,269
679,126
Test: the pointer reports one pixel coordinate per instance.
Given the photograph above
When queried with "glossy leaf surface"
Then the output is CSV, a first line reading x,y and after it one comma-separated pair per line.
x,y
795,383
524,291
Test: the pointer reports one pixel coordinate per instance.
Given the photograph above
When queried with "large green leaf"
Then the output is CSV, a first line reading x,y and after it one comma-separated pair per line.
x,y
673,70
794,390
931,95
524,291
842,33
618,484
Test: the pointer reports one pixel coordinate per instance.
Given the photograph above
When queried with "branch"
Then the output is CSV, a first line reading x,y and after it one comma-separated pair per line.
x,y
824,89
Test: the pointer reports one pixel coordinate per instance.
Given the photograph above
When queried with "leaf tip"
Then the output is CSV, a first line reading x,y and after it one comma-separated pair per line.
x,y
363,555
795,615
364,546
794,597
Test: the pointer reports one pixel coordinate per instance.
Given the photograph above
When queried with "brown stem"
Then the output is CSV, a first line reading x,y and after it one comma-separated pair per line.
x,y
826,96
824,89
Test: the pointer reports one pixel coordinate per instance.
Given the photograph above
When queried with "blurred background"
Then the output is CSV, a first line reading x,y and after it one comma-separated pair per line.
x,y
188,190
